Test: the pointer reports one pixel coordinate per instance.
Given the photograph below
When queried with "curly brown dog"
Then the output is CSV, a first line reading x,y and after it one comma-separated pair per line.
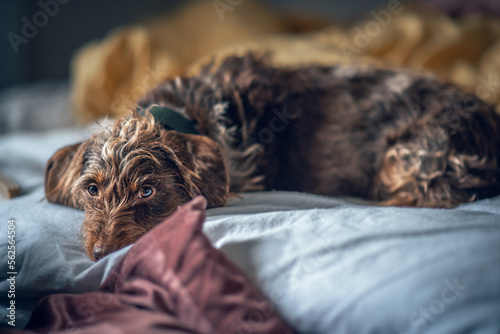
x,y
389,136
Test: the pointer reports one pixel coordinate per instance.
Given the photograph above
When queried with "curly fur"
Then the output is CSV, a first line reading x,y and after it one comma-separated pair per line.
x,y
135,153
393,137
390,136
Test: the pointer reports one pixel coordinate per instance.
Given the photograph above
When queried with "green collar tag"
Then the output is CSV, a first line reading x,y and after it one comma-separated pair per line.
x,y
173,120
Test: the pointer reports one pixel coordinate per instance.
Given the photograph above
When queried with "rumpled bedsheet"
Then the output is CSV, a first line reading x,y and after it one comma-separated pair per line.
x,y
326,265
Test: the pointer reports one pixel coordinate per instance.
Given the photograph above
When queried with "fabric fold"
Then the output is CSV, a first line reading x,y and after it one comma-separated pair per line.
x,y
171,281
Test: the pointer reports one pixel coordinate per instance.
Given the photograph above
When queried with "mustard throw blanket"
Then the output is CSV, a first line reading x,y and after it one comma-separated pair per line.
x,y
110,75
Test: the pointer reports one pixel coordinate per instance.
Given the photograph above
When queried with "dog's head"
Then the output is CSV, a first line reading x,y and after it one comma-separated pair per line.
x,y
129,178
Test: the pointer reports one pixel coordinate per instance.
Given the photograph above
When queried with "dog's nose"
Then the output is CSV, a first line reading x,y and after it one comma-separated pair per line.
x,y
98,252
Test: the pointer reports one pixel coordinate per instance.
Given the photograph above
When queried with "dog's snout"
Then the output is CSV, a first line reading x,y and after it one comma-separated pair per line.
x,y
100,251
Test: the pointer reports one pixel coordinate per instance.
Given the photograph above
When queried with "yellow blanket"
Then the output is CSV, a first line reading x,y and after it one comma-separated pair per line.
x,y
109,76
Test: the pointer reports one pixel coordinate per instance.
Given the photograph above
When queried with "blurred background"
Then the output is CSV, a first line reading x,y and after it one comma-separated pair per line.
x,y
41,37
47,55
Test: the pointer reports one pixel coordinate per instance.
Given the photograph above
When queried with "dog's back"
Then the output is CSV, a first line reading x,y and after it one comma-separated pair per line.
x,y
390,136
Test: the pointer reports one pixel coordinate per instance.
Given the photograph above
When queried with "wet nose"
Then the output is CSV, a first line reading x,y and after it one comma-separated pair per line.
x,y
100,251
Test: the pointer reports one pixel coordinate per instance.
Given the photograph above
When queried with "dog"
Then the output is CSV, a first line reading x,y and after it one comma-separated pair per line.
x,y
392,137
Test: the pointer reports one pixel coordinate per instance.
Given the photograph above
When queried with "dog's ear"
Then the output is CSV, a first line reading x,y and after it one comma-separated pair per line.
x,y
62,171
203,167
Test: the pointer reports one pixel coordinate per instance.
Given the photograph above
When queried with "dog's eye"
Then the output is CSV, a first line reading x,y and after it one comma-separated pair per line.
x,y
93,190
145,192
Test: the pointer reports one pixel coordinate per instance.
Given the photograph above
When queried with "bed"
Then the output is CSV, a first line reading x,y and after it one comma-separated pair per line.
x,y
326,265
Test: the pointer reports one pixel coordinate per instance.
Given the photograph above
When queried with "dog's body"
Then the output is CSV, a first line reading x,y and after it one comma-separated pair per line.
x,y
389,136
377,134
